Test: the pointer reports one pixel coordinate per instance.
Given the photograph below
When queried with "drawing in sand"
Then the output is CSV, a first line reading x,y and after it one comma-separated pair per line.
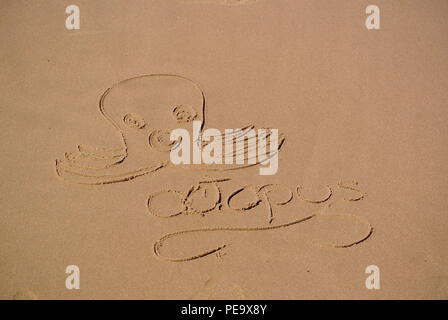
x,y
144,110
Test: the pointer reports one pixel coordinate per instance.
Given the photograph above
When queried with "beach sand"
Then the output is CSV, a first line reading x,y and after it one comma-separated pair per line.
x,y
362,176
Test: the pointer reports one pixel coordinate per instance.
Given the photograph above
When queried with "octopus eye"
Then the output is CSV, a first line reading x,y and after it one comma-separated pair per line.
x,y
160,140
184,114
133,120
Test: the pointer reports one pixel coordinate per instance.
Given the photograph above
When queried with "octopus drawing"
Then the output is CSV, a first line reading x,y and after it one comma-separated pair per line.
x,y
143,111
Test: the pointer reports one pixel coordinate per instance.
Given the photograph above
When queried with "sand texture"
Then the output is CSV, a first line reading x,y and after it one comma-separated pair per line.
x,y
86,177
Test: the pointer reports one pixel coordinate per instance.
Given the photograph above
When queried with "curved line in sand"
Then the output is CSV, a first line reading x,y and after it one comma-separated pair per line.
x,y
328,196
159,243
103,179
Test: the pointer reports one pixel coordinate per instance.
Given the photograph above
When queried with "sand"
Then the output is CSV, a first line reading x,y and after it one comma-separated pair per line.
x,y
86,176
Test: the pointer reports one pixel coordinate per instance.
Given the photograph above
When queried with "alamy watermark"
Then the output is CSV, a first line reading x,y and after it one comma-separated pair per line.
x,y
234,147
373,280
73,280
